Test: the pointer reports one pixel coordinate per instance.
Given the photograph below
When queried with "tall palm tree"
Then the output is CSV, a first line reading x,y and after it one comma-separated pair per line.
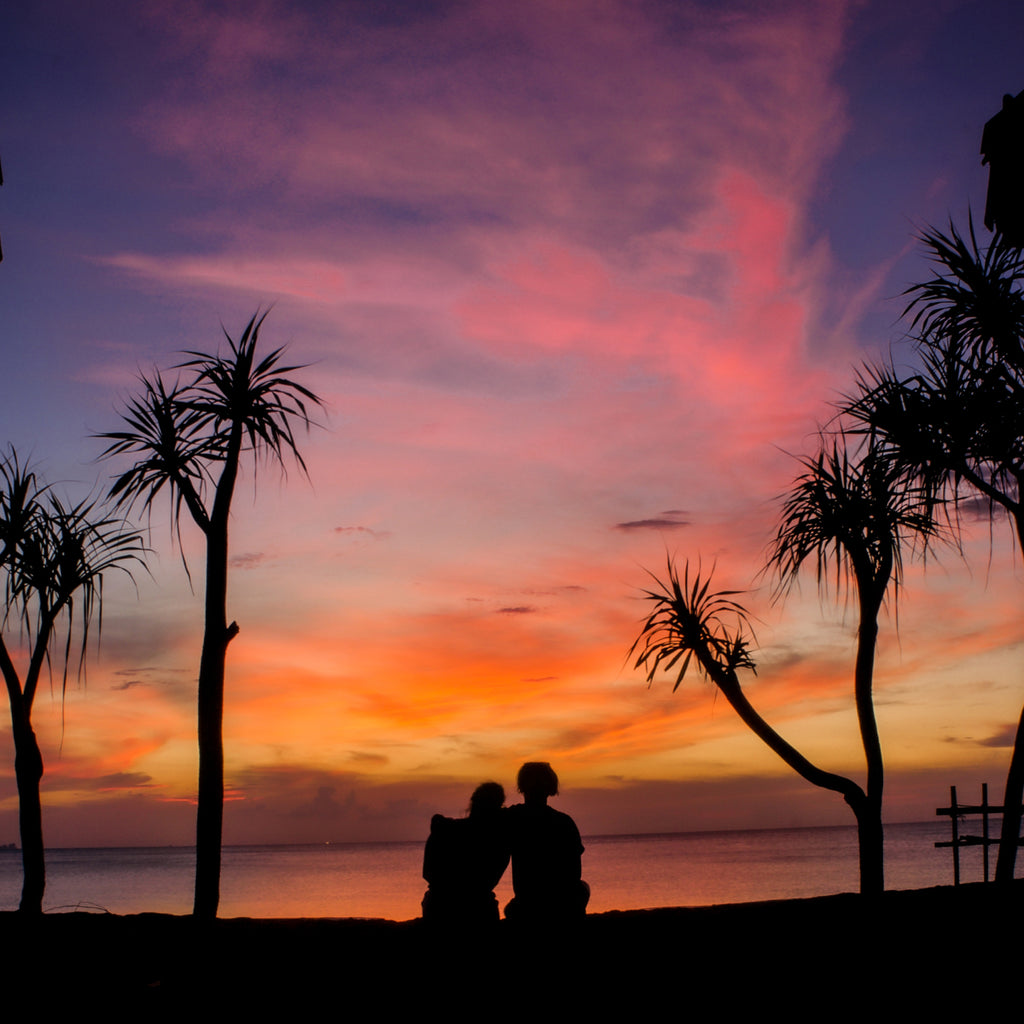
x,y
189,437
853,519
957,425
53,557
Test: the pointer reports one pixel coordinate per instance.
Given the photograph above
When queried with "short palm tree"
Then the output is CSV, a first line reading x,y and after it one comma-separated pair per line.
x,y
956,427
189,438
53,557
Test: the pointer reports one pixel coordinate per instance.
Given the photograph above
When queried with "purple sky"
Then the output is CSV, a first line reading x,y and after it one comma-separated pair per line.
x,y
576,281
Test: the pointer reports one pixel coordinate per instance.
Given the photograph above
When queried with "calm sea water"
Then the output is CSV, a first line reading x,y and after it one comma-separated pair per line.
x,y
383,879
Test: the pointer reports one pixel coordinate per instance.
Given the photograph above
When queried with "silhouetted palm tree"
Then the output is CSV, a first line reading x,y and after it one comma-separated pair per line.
x,y
852,519
189,438
957,426
53,558
689,622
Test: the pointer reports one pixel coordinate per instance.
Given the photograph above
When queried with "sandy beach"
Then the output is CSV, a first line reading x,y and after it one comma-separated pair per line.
x,y
832,957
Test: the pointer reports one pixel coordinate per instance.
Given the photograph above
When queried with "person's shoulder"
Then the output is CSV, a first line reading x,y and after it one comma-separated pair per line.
x,y
564,820
439,823
520,818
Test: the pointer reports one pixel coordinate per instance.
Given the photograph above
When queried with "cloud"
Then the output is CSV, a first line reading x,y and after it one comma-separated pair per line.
x,y
1003,738
567,588
367,757
177,683
354,531
129,684
978,509
310,282
295,804
123,780
671,520
248,560
324,806
113,782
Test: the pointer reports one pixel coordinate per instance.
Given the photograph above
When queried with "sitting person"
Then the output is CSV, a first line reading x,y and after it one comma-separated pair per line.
x,y
463,861
546,850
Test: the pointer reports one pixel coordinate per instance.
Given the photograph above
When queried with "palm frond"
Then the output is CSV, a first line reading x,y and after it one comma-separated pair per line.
x,y
85,546
957,422
20,494
171,448
689,620
960,418
56,556
852,517
257,396
975,299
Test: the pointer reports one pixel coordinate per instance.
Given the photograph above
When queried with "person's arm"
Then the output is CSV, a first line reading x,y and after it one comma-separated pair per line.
x,y
430,850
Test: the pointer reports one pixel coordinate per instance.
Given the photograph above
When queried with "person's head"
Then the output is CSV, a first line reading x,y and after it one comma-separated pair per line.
x,y
486,799
537,781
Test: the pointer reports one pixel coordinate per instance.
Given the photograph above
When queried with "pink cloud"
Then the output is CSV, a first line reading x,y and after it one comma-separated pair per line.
x,y
520,105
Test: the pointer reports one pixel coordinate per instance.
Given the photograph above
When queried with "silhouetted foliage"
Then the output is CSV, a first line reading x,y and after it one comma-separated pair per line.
x,y
53,557
687,621
692,621
956,426
852,518
189,438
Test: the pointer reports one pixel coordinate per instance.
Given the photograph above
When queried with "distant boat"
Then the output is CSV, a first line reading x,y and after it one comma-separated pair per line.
x,y
8,846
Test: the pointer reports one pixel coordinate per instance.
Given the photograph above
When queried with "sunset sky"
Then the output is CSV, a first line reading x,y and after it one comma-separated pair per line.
x,y
577,280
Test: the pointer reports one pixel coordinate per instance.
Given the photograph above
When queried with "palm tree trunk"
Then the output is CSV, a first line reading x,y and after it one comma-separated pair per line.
x,y
869,815
28,770
733,692
1009,833
867,808
210,809
216,637
870,845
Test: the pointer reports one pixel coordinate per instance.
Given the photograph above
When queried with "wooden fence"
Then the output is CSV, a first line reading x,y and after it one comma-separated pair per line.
x,y
956,812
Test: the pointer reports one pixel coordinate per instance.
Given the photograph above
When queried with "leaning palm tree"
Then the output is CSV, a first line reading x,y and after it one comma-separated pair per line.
x,y
53,558
189,438
691,622
852,519
956,427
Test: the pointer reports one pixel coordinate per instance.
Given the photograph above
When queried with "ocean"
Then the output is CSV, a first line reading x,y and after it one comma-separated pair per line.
x,y
383,879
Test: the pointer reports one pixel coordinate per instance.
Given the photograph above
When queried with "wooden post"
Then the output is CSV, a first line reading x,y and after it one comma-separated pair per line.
x,y
984,828
956,836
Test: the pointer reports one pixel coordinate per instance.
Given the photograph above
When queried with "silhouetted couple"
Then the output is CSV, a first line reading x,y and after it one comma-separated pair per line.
x,y
466,857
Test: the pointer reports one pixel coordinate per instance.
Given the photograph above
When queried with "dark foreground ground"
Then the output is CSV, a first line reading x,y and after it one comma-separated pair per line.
x,y
905,955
